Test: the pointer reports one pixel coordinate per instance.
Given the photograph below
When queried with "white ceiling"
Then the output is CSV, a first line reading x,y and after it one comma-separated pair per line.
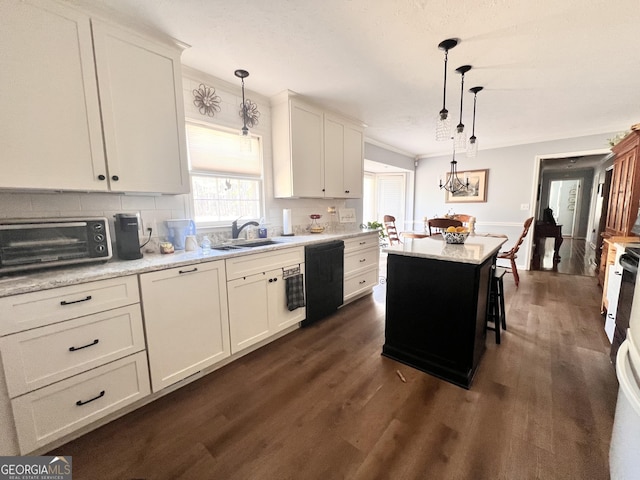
x,y
551,69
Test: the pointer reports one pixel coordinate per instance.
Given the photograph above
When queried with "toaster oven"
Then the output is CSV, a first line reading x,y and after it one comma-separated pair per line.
x,y
27,244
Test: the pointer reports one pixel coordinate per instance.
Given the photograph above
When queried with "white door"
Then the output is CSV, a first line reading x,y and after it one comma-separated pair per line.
x,y
390,193
564,200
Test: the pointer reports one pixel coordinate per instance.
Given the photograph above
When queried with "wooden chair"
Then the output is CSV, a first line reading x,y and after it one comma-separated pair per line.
x,y
390,226
468,221
511,254
438,225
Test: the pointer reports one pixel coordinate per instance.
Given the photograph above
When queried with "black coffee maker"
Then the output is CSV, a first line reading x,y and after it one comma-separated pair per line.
x,y
127,240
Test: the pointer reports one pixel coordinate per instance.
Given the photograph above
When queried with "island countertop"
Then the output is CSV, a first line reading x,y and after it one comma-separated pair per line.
x,y
476,249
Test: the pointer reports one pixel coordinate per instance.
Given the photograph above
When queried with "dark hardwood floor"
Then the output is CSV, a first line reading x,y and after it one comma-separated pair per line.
x,y
576,258
322,403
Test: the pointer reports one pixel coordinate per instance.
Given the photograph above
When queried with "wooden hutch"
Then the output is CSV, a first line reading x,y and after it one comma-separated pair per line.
x,y
624,201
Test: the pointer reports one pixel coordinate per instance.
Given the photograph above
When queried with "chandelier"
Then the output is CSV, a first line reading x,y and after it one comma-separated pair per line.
x,y
453,183
443,124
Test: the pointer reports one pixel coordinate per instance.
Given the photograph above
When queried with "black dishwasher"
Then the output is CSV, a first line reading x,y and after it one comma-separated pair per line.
x,y
324,279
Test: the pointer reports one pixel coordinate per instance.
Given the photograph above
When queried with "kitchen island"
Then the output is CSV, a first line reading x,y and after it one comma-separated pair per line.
x,y
436,307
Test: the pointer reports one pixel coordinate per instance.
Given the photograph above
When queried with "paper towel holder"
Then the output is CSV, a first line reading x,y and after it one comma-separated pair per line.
x,y
286,223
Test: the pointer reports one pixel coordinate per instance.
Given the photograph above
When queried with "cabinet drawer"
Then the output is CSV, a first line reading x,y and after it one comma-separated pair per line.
x,y
263,262
35,358
359,283
361,259
54,411
364,241
31,310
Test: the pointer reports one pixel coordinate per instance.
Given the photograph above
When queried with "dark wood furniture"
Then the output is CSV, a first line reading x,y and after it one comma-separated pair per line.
x,y
390,227
436,314
511,254
438,225
624,194
496,314
542,231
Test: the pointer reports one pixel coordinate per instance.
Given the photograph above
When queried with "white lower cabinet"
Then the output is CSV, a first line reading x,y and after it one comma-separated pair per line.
x,y
361,265
70,356
258,308
186,320
51,412
257,295
71,347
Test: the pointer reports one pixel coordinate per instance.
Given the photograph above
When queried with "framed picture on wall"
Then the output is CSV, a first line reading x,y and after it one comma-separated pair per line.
x,y
477,191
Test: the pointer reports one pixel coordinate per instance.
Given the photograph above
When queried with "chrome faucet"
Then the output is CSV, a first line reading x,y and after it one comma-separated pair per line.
x,y
235,231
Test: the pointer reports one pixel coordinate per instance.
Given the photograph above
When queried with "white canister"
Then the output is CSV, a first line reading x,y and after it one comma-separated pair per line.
x,y
190,243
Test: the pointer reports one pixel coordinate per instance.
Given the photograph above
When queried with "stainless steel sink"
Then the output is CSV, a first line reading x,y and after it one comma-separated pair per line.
x,y
256,243
241,244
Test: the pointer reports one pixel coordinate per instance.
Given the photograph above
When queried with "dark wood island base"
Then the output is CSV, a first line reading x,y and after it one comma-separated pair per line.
x,y
436,314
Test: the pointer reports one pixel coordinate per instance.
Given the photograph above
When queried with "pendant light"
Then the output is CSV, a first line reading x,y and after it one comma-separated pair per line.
x,y
443,124
459,138
472,147
242,74
453,184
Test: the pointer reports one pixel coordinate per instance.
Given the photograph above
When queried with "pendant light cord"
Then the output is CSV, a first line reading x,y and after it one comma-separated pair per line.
x,y
444,89
461,97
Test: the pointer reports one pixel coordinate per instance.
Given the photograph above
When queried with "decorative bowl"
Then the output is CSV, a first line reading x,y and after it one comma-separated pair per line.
x,y
455,237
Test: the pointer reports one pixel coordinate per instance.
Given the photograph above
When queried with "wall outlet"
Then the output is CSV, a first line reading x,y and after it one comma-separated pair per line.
x,y
524,206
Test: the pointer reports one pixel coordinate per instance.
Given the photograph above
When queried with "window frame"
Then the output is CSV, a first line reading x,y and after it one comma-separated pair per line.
x,y
212,173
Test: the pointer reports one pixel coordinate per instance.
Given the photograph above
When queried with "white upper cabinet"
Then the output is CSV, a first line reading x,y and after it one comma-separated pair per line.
x,y
51,128
316,154
343,157
140,89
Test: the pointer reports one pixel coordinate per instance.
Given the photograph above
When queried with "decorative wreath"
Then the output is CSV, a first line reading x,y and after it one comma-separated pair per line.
x,y
252,113
206,100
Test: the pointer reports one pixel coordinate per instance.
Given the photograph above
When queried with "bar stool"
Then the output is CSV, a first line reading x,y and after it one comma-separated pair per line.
x,y
496,311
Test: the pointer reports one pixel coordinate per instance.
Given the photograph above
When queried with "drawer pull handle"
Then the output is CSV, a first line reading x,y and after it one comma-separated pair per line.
x,y
363,260
363,243
362,281
75,349
618,273
187,271
80,402
64,302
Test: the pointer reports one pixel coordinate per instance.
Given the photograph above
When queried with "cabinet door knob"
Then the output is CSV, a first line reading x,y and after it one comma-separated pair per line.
x,y
346,191
271,280
323,189
115,178
101,177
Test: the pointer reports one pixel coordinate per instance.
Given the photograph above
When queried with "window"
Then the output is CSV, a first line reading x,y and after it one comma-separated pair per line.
x,y
226,175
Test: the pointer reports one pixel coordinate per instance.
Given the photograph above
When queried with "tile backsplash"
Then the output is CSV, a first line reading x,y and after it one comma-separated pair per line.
x,y
153,210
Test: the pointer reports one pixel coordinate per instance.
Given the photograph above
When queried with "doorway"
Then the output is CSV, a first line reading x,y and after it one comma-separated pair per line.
x,y
584,174
564,199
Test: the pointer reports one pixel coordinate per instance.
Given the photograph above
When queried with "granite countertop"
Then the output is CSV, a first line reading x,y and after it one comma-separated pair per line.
x,y
26,282
476,249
